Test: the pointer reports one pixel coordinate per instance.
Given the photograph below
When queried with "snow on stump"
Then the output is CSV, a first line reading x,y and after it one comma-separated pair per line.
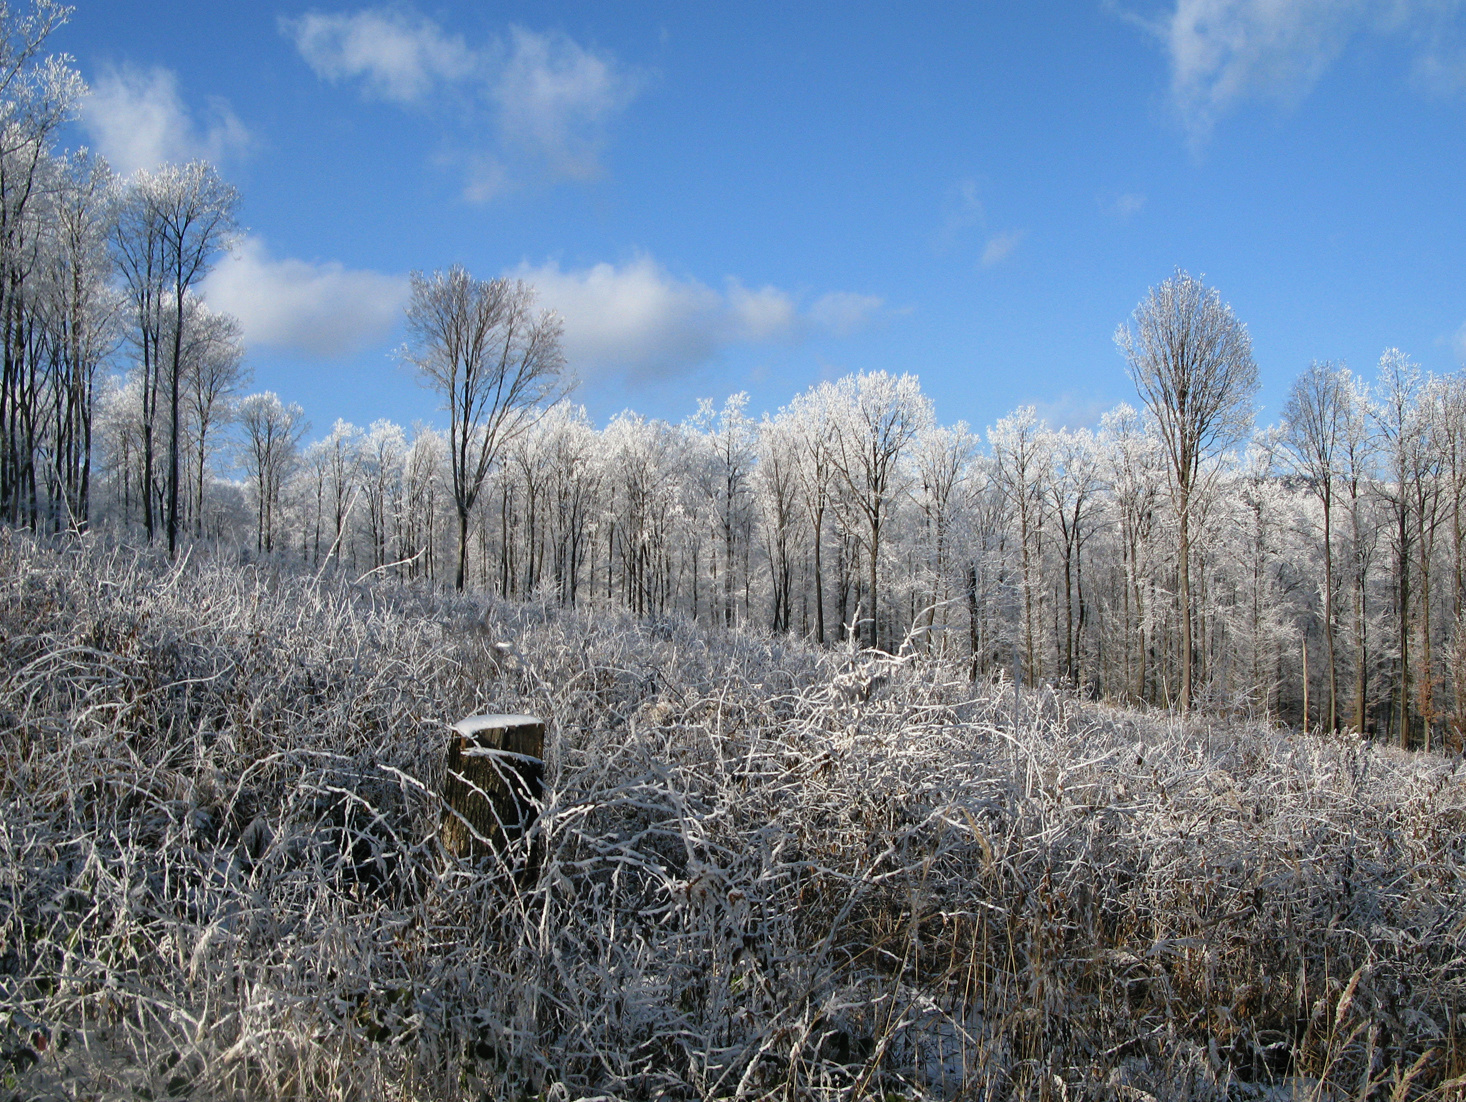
x,y
495,774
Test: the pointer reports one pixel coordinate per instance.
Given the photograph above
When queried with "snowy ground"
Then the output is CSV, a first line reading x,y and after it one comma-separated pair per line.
x,y
761,870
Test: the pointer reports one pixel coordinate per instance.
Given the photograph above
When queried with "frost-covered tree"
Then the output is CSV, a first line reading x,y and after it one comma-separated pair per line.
x,y
37,95
1356,454
382,452
212,373
777,494
424,471
272,431
1072,489
80,316
193,209
726,441
174,221
878,415
1134,468
1022,461
495,361
1316,417
809,425
1191,361
942,457
1402,414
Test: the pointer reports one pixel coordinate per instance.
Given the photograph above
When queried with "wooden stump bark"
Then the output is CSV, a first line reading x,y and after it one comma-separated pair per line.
x,y
495,774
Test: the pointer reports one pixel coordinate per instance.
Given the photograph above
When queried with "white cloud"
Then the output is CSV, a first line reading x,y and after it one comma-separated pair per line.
x,y
1458,343
841,313
323,310
639,319
1222,52
137,120
1124,207
546,100
763,315
1000,246
554,98
399,57
635,317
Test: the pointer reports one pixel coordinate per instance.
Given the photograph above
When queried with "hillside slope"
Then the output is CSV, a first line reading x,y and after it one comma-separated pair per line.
x,y
220,879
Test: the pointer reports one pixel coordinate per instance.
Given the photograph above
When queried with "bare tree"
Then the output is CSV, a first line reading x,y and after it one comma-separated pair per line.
x,y
1356,454
494,360
272,432
1191,362
1316,416
213,371
943,458
193,210
1072,487
810,421
82,317
1022,466
880,415
37,95
777,492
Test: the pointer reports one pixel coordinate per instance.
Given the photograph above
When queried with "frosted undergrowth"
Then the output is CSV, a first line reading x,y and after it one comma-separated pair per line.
x,y
760,871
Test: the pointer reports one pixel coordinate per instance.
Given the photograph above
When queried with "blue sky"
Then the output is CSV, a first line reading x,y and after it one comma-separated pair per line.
x,y
757,196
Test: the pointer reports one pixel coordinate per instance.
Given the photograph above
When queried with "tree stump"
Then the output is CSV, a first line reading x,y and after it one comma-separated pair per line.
x,y
495,774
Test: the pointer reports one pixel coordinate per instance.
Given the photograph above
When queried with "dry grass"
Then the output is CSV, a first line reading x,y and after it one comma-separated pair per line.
x,y
220,874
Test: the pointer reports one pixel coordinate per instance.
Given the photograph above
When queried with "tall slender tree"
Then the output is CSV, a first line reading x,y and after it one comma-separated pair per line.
x,y
1191,362
193,209
1316,418
272,433
882,414
494,360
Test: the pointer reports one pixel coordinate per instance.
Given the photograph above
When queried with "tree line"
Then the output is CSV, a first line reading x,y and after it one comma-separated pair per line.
x,y
94,269
1177,555
1322,567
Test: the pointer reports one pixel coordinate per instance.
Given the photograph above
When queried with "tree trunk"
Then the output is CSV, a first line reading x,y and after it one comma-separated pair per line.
x,y
819,577
462,547
1424,677
495,776
1403,563
1185,579
875,554
1328,611
173,379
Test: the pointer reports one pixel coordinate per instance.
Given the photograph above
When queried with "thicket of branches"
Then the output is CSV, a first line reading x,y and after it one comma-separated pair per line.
x,y
761,868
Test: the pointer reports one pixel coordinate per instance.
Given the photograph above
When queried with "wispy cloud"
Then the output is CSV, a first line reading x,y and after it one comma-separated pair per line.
x,y
1124,207
962,210
965,218
320,309
841,313
397,56
1073,409
527,106
137,120
640,320
1458,343
1000,246
1223,52
555,98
